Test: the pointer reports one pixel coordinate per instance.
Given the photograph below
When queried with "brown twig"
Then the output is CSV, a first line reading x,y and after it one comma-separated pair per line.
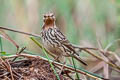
x,y
62,68
19,53
86,49
111,64
55,63
8,67
22,32
91,48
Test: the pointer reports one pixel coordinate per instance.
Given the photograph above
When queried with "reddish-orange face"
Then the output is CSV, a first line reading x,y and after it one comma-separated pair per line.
x,y
49,19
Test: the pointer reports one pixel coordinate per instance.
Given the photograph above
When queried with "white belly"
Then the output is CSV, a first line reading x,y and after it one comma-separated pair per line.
x,y
53,49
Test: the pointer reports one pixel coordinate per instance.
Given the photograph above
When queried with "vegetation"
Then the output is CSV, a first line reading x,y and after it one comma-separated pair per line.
x,y
92,24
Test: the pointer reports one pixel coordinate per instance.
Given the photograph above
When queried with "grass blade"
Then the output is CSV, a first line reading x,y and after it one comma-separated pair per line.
x,y
46,54
1,47
77,75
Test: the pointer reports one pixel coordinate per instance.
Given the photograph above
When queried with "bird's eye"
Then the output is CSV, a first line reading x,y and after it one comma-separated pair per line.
x,y
45,16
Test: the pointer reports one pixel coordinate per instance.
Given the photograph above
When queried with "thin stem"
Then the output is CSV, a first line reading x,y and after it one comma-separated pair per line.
x,y
82,71
70,67
51,64
22,32
46,54
111,64
1,47
75,69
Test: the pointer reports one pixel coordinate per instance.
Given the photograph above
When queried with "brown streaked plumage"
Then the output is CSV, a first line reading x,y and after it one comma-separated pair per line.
x,y
55,41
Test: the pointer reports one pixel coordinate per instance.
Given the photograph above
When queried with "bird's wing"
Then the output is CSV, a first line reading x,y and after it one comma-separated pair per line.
x,y
63,40
60,37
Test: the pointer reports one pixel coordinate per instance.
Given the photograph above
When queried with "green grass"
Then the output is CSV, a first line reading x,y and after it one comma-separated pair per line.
x,y
1,47
46,54
80,19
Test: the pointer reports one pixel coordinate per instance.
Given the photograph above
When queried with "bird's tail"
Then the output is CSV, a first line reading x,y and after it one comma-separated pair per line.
x,y
80,60
76,55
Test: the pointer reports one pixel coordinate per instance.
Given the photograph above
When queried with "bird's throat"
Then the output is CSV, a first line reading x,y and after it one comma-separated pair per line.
x,y
48,24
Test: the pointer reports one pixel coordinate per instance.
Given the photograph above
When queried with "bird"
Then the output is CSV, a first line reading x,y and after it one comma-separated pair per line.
x,y
55,41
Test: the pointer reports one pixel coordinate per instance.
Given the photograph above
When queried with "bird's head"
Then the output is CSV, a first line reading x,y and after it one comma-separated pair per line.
x,y
49,20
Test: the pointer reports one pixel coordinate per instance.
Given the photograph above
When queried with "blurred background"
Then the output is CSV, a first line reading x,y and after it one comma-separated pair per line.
x,y
82,21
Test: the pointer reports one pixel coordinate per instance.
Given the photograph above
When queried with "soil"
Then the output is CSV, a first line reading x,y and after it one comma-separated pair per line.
x,y
27,69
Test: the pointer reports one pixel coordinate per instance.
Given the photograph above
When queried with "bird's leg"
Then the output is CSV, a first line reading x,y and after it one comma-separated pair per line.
x,y
68,56
62,68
